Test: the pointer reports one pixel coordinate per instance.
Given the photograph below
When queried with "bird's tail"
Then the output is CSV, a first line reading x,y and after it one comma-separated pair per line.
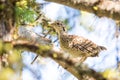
x,y
102,48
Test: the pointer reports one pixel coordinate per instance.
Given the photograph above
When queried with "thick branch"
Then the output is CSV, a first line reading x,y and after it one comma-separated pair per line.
x,y
69,63
34,43
80,71
101,8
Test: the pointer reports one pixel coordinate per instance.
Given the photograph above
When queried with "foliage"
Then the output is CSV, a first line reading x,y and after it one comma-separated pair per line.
x,y
26,11
15,12
111,74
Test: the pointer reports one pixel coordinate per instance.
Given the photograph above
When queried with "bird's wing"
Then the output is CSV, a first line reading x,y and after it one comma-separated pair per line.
x,y
84,45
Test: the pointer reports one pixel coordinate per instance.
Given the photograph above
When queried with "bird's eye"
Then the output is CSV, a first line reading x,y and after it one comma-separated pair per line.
x,y
58,23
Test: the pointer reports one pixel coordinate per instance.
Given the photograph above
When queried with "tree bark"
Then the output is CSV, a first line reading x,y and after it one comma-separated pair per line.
x,y
81,71
108,8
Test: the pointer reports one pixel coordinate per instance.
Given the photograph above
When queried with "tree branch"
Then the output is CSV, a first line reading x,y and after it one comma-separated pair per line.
x,y
26,33
81,71
40,45
101,8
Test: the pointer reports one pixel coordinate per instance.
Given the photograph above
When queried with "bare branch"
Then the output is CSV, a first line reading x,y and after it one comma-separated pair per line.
x,y
32,36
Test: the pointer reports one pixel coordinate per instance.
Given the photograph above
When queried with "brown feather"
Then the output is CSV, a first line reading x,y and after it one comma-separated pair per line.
x,y
76,45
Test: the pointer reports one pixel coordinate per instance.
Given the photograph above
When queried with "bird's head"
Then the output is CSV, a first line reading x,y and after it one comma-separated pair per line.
x,y
59,27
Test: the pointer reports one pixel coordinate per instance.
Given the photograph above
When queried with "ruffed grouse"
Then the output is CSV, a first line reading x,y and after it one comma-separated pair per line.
x,y
76,45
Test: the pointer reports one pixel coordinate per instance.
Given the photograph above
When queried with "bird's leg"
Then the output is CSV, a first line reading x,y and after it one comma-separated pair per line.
x,y
82,59
78,60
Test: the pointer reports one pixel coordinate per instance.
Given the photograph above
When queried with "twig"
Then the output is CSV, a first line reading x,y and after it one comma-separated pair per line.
x,y
34,59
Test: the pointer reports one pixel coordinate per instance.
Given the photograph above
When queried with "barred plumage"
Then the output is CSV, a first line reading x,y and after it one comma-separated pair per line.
x,y
76,45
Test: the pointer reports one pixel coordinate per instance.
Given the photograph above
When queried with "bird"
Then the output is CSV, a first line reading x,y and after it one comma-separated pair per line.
x,y
77,46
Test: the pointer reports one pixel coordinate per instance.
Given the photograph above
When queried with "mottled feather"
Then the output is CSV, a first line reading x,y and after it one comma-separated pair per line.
x,y
79,45
76,45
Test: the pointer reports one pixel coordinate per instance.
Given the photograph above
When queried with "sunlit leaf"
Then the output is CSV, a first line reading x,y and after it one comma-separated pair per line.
x,y
6,74
111,74
14,57
7,46
1,46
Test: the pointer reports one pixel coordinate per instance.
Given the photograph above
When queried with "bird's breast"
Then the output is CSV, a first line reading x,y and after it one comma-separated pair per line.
x,y
64,44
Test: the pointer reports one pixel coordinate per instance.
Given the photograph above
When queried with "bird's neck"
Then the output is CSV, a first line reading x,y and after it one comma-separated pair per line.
x,y
63,39
62,34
